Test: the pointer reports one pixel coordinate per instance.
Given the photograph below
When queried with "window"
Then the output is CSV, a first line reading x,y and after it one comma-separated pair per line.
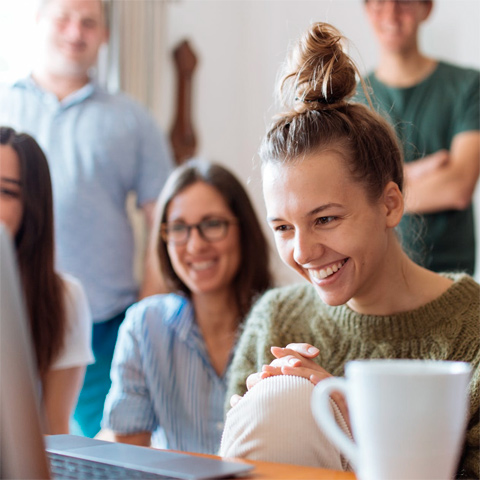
x,y
17,36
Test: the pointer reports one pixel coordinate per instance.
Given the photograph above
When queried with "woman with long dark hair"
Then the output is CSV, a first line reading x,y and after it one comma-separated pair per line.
x,y
57,309
173,352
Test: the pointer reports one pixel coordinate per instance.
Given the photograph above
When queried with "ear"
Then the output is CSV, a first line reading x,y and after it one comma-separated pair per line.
x,y
427,9
393,203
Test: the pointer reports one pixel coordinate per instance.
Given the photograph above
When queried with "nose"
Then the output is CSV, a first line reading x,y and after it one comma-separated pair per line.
x,y
390,8
195,241
74,29
307,247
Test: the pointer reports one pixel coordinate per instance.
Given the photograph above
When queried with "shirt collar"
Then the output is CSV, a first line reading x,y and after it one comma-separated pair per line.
x,y
78,96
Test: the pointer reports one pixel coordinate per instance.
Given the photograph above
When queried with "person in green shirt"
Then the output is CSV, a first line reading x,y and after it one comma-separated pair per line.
x,y
434,107
332,174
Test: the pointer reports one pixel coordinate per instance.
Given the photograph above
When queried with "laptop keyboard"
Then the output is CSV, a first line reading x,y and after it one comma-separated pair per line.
x,y
63,467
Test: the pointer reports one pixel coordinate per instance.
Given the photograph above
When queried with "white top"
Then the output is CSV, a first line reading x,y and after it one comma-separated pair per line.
x,y
77,348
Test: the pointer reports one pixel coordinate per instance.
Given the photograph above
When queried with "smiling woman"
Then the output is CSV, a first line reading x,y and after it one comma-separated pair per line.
x,y
173,353
332,183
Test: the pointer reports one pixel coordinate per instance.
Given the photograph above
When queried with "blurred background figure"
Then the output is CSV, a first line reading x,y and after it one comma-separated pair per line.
x,y
57,308
434,107
100,147
170,366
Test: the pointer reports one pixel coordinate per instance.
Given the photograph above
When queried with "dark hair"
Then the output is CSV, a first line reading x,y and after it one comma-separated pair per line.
x,y
253,276
35,246
320,79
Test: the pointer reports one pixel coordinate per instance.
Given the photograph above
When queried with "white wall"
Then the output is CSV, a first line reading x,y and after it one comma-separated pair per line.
x,y
241,44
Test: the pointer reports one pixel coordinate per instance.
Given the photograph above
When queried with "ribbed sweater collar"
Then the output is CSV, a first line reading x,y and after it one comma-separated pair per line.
x,y
412,324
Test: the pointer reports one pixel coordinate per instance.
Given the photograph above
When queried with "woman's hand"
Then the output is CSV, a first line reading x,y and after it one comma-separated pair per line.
x,y
294,359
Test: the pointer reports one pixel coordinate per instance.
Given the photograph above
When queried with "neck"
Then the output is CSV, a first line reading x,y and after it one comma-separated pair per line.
x,y
60,86
216,313
217,318
399,286
404,68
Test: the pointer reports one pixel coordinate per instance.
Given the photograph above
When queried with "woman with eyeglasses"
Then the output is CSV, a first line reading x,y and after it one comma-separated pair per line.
x,y
174,350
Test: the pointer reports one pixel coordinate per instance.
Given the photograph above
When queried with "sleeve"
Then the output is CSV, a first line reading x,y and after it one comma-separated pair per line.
x,y
155,160
77,347
467,116
470,461
128,406
253,347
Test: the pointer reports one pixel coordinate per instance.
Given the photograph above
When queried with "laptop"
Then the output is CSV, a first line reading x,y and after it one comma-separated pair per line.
x,y
26,453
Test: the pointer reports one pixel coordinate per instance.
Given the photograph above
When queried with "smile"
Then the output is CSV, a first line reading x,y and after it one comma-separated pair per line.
x,y
327,272
199,266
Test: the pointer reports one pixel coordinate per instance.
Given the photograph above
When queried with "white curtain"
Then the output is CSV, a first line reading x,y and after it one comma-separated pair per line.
x,y
132,62
136,52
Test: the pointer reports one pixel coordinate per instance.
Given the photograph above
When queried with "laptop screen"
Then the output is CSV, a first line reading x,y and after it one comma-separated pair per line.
x,y
22,453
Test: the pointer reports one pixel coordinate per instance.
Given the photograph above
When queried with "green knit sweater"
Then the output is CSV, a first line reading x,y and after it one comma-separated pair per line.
x,y
447,328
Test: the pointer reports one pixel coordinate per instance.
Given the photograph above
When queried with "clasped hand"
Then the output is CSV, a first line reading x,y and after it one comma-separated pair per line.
x,y
294,359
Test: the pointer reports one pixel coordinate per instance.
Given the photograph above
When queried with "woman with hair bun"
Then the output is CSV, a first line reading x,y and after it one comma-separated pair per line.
x,y
332,181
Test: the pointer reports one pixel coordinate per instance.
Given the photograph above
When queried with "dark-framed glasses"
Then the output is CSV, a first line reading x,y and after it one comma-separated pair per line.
x,y
210,229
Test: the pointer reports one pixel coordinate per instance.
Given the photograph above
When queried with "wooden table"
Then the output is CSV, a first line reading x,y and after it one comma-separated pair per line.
x,y
271,470
285,471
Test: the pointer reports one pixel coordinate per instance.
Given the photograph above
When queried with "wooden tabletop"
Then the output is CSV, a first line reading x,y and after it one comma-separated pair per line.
x,y
283,471
272,470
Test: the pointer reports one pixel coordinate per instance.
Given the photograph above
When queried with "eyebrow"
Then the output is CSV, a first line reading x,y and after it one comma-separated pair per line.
x,y
315,211
11,180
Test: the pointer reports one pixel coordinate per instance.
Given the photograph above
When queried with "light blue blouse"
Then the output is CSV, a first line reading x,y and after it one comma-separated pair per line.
x,y
162,378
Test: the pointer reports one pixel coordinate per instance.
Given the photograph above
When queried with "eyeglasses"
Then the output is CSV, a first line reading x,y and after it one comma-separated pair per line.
x,y
402,5
210,229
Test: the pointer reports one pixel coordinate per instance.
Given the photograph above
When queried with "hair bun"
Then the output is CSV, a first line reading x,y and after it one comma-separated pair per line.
x,y
319,74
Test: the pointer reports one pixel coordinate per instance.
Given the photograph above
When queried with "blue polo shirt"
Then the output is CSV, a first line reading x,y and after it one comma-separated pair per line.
x,y
99,148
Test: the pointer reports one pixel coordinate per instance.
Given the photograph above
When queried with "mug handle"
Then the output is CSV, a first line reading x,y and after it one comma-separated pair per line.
x,y
322,411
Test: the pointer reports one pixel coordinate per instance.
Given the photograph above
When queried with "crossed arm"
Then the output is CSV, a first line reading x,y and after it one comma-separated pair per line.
x,y
445,180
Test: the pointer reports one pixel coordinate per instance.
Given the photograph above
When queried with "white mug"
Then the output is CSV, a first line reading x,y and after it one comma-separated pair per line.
x,y
408,417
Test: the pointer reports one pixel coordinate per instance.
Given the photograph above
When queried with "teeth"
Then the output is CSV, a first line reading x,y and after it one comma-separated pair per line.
x,y
202,265
326,272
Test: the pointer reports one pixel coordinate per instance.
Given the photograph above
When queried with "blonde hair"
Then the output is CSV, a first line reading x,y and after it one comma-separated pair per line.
x,y
317,88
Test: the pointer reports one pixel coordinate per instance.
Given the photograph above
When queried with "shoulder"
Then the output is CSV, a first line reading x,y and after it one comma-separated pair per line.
x,y
72,285
457,70
460,305
77,349
464,289
286,305
76,303
121,102
161,312
456,76
11,94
